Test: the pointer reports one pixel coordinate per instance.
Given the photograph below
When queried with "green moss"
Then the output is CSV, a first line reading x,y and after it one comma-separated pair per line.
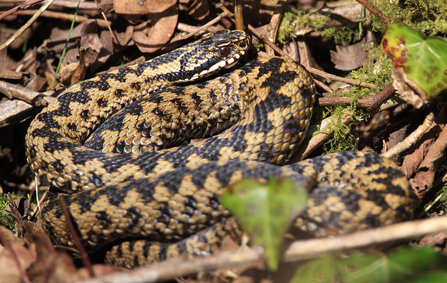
x,y
5,219
291,22
340,34
342,139
375,70
429,17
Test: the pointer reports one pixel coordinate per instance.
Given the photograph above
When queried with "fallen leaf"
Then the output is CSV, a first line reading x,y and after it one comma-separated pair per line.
x,y
402,88
349,57
75,72
163,20
150,35
10,272
199,9
425,175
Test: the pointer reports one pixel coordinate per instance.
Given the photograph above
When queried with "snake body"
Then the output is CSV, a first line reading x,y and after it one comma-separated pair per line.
x,y
151,202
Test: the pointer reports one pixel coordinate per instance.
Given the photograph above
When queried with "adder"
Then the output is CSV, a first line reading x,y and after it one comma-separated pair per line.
x,y
113,147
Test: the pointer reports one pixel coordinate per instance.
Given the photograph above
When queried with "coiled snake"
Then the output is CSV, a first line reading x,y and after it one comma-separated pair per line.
x,y
144,202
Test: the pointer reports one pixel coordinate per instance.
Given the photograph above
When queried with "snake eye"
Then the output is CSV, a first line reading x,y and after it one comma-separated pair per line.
x,y
224,51
243,44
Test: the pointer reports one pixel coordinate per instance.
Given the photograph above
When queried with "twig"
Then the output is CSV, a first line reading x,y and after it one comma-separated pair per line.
x,y
375,11
326,129
32,97
273,26
27,25
411,139
176,267
340,79
238,14
297,251
64,16
60,3
115,39
25,5
369,102
406,230
77,242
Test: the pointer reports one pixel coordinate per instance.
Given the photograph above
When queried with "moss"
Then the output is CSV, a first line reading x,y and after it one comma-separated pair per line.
x,y
291,22
375,70
341,34
429,17
6,220
342,139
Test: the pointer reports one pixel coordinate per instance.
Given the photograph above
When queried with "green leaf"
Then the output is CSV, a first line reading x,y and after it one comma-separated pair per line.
x,y
266,212
320,271
444,194
422,60
405,265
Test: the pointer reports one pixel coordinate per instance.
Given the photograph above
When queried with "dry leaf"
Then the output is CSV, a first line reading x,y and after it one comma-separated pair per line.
x,y
199,9
10,271
75,72
350,57
425,175
402,86
163,19
151,35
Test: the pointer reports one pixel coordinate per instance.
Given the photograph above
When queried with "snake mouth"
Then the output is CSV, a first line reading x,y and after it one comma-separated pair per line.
x,y
230,63
224,64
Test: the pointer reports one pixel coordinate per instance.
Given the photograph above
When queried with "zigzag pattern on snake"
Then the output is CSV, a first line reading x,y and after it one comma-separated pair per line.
x,y
151,202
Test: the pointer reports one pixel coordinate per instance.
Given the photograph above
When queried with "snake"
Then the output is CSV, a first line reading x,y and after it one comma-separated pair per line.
x,y
117,150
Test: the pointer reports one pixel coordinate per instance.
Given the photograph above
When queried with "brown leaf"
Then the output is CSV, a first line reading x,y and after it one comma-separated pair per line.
x,y
53,266
16,209
10,271
125,38
199,9
400,83
433,239
107,49
75,72
424,178
58,38
132,7
397,136
163,18
350,57
423,160
46,258
152,35
36,83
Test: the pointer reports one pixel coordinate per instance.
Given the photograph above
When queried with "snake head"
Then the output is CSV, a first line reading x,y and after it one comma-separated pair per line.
x,y
213,53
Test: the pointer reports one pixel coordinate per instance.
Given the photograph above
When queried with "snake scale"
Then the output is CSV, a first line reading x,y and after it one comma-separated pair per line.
x,y
113,147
